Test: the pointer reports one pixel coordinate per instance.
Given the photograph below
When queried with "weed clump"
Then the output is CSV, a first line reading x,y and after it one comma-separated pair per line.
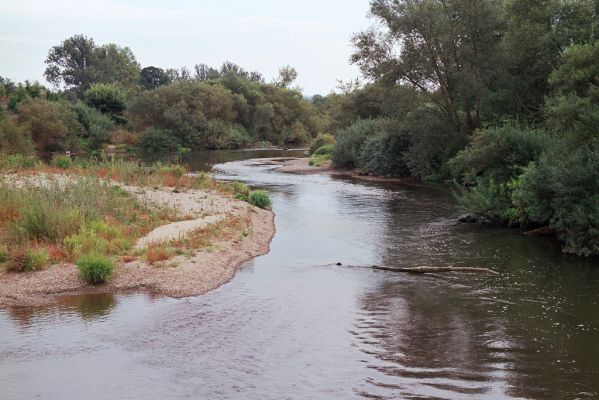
x,y
94,268
61,161
29,260
259,198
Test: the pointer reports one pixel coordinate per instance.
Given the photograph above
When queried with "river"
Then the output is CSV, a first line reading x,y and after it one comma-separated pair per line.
x,y
292,325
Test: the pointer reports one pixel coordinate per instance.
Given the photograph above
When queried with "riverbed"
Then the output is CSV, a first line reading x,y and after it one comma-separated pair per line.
x,y
293,325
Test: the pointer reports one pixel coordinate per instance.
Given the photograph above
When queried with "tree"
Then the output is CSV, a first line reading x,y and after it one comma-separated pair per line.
x,y
538,31
107,98
573,110
115,64
70,64
446,50
77,63
204,72
287,75
152,77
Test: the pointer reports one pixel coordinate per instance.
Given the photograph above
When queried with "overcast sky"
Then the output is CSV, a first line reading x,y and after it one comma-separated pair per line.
x,y
311,35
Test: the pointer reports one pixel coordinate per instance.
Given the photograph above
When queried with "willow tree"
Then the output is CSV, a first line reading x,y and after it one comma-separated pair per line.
x,y
448,50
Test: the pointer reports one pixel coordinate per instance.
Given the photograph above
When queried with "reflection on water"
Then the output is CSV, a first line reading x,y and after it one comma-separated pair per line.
x,y
291,325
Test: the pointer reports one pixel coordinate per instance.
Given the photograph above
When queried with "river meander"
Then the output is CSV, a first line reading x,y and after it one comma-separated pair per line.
x,y
291,325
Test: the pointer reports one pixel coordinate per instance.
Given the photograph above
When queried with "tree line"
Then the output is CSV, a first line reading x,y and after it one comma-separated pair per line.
x,y
499,99
101,96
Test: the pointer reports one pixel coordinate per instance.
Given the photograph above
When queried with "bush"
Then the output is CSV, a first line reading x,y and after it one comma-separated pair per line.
x,y
240,189
29,260
259,198
61,161
350,140
4,254
107,98
499,153
18,161
175,170
324,150
239,136
322,139
97,237
319,160
14,139
562,190
385,154
53,125
98,127
489,202
157,140
123,136
94,268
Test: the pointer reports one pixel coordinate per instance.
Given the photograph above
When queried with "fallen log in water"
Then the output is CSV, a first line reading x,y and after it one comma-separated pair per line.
x,y
427,270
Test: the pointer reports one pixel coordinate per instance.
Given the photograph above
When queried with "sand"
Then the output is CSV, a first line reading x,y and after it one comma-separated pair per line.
x,y
302,165
181,276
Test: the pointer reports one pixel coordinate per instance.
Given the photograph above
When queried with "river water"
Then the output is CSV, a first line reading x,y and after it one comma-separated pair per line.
x,y
291,325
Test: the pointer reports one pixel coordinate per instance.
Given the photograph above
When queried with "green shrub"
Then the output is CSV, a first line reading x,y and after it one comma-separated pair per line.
x,y
499,153
157,140
107,98
61,161
489,202
350,140
176,170
98,127
240,188
94,268
562,190
53,125
29,260
242,197
36,260
239,136
4,254
14,139
322,139
317,161
259,198
385,154
324,150
18,161
97,237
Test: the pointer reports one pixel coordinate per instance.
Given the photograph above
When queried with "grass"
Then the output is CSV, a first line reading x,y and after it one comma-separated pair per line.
x,y
95,268
259,198
78,210
321,156
70,218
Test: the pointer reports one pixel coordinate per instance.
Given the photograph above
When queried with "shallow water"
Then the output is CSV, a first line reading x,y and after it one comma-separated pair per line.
x,y
293,326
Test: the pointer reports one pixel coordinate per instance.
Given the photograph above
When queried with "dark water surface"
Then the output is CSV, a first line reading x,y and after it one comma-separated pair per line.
x,y
291,327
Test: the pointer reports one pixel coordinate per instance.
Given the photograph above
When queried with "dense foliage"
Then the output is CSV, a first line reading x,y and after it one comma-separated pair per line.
x,y
499,98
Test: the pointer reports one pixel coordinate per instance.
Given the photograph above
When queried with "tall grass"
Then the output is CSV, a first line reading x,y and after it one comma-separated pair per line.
x,y
72,218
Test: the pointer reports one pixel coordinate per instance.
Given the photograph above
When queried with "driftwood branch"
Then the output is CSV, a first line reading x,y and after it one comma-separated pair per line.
x,y
427,270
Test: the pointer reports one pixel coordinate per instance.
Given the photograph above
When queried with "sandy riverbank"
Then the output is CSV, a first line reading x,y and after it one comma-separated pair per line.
x,y
293,165
181,276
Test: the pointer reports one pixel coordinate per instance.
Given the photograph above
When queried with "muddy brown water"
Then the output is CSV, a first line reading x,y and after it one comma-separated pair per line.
x,y
292,326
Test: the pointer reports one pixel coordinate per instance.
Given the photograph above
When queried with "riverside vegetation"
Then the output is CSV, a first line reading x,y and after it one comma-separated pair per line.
x,y
497,99
78,212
